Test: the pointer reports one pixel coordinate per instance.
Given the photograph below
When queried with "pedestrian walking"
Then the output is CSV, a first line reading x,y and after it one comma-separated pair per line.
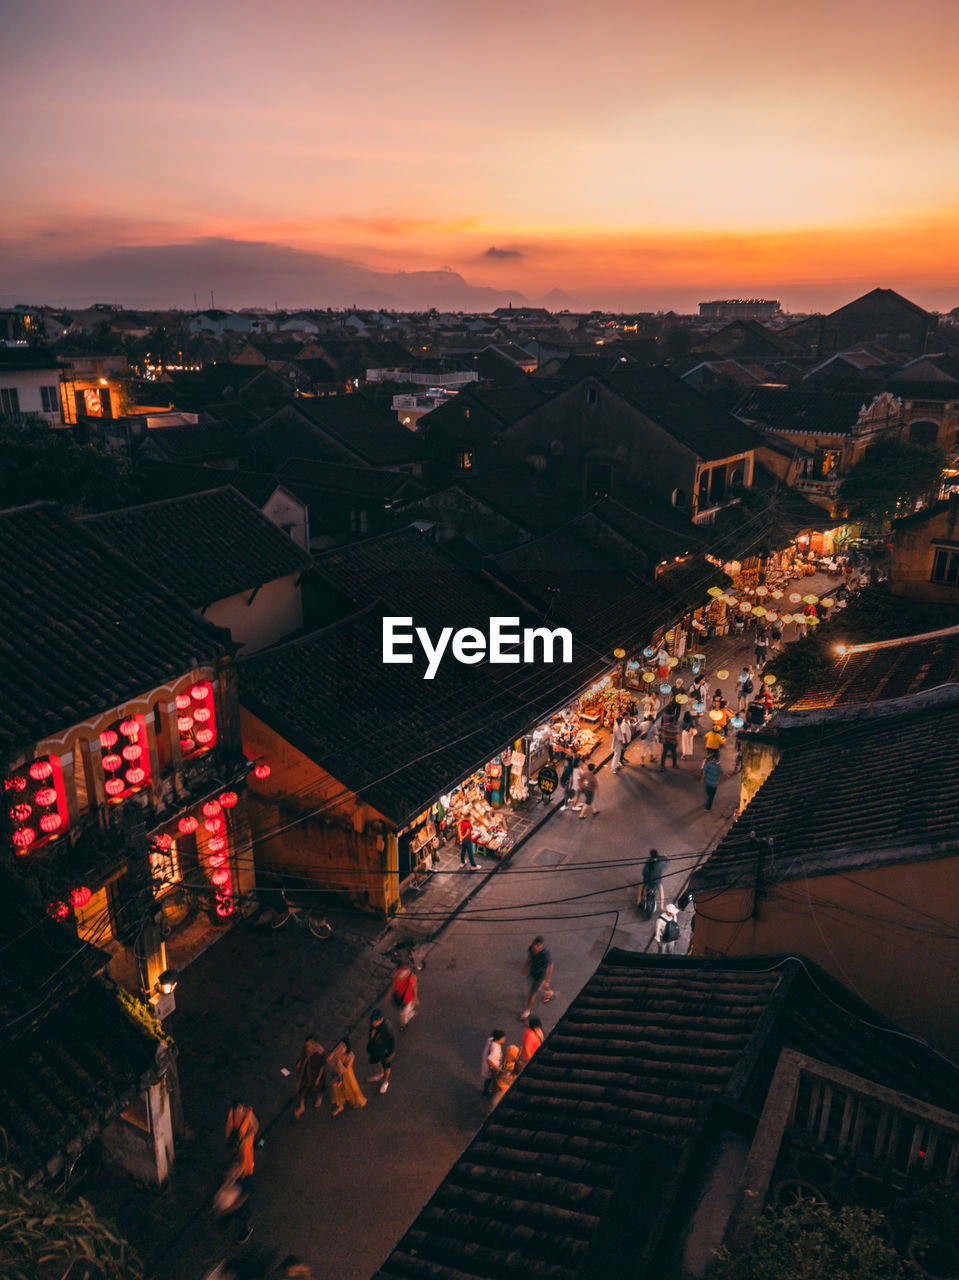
x,y
242,1127
506,1075
539,966
745,688
627,736
533,1037
712,774
588,789
404,992
776,636
339,1065
310,1076
492,1060
667,930
380,1047
617,745
653,873
464,829
646,736
762,646
233,1197
669,737
688,732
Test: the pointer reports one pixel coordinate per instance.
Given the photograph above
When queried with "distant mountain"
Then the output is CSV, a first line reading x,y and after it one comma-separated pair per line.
x,y
242,273
557,300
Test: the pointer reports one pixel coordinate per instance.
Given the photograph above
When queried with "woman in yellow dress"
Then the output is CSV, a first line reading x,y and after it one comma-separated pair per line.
x,y
339,1072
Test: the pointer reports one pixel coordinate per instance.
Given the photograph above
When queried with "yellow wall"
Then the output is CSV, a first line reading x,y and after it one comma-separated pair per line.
x,y
889,933
913,554
347,847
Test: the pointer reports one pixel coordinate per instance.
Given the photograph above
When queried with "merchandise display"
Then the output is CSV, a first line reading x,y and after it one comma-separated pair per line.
x,y
489,826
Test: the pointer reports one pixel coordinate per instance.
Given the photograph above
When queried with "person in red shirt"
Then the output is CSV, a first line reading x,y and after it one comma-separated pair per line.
x,y
533,1037
464,830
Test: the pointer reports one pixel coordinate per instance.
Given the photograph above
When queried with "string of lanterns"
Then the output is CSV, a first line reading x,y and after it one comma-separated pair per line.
x,y
39,806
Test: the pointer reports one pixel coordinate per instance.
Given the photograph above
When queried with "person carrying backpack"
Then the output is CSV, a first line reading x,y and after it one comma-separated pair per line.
x,y
667,930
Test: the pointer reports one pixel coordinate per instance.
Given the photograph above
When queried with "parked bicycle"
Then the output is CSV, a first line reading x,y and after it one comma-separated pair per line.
x,y
302,912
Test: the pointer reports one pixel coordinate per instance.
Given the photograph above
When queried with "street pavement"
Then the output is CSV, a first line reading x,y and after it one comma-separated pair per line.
x,y
340,1191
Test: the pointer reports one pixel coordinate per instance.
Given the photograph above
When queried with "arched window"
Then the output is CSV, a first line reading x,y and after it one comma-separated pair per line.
x,y
679,498
736,478
923,432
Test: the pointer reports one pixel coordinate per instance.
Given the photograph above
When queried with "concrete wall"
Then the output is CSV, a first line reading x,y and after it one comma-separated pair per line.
x,y
913,553
887,932
291,515
276,611
27,384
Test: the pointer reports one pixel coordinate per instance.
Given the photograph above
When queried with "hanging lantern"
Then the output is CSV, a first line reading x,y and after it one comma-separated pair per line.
x,y
164,842
16,783
220,876
698,708
211,808
228,799
217,844
682,698
213,825
108,739
673,662
225,907
771,615
187,825
202,714
81,896
716,716
745,607
46,796
184,724
828,602
759,611
714,592
20,812
777,594
737,722
786,619
129,728
665,688
58,910
131,753
812,620
40,769
24,838
795,597
722,675
649,677
112,762
810,599
769,678
204,737
217,860
649,651
135,776
199,692
115,787
762,591
183,702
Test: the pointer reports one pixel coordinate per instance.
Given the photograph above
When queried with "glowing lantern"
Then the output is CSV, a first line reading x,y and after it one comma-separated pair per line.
x,y
746,607
199,692
762,591
649,652
810,599
665,688
131,753
682,698
184,724
220,876
771,615
135,776
213,825
129,728
759,611
228,799
722,675
20,812
212,808
217,860
201,715
777,594
108,739
813,621
81,896
714,592
46,796
786,619
716,716
769,678
183,702
828,602
58,910
112,762
262,771
698,708
187,825
40,769
164,842
204,737
795,597
225,907
217,844
17,783
115,787
649,677
737,722
24,837
673,662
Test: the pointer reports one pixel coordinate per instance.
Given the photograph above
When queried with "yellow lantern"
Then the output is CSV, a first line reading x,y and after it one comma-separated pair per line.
x,y
795,597
649,676
716,716
759,611
714,592
673,662
681,698
828,602
722,675
812,621
810,599
786,619
769,678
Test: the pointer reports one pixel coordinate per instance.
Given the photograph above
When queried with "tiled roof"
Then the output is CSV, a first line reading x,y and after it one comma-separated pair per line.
x,y
203,547
819,412
335,478
369,433
198,441
855,793
157,479
15,359
523,496
83,629
575,1172
693,419
657,528
890,669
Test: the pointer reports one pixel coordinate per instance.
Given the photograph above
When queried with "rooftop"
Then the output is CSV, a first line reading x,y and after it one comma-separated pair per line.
x,y
889,669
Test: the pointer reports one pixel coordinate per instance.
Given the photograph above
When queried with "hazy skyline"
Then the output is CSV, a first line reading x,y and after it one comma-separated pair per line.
x,y
630,157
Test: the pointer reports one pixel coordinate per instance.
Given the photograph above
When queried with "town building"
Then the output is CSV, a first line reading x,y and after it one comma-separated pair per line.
x,y
924,561
739,309
29,385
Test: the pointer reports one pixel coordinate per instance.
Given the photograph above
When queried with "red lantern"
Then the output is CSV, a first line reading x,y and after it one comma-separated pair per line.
x,y
204,736
182,701
213,825
164,842
202,714
24,838
188,825
81,896
58,910
184,724
17,783
129,728
228,799
217,844
262,771
20,812
224,907
40,769
46,796
217,860
131,753
112,762
199,691
220,876
108,739
135,776
212,808
50,822
115,787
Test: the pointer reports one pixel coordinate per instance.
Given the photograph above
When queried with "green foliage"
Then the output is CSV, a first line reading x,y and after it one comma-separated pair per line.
x,y
890,479
43,1238
137,1011
40,463
810,1241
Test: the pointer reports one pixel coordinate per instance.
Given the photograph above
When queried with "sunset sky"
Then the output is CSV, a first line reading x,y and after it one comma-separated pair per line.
x,y
631,155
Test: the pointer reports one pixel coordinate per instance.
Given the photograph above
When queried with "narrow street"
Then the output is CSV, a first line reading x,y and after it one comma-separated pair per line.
x,y
341,1191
